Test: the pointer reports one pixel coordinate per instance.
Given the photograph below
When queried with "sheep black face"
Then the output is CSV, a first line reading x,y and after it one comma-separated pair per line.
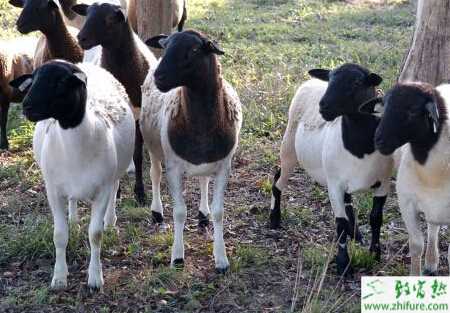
x,y
104,24
349,86
188,58
55,90
36,15
411,114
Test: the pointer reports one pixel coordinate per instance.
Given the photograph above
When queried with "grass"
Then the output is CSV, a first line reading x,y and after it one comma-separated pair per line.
x,y
270,45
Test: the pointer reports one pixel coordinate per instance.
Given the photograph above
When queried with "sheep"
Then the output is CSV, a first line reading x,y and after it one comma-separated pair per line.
x,y
16,59
83,144
333,142
77,21
125,56
416,118
191,118
58,40
179,14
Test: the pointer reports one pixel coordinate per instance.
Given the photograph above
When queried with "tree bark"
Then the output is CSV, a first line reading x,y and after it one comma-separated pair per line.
x,y
428,59
154,17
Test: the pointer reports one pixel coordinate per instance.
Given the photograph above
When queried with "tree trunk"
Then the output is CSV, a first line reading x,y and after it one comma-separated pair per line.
x,y
154,17
428,59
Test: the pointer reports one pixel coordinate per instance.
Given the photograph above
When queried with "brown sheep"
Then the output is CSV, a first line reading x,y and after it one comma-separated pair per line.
x,y
16,59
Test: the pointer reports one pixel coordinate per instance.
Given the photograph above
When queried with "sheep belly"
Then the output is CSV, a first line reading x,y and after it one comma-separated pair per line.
x,y
308,148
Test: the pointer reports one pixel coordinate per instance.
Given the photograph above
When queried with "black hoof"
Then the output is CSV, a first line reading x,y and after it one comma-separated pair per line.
x,y
427,272
93,290
275,220
178,264
4,146
343,265
203,221
222,271
157,217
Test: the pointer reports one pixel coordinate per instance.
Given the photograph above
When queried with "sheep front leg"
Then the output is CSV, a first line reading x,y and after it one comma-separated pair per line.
x,y
4,108
220,253
343,228
409,215
99,207
432,252
110,218
60,237
175,182
203,214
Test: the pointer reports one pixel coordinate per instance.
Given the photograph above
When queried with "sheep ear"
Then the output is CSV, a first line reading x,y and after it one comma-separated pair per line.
x,y
374,79
158,42
17,3
22,83
213,47
80,77
80,9
52,4
319,73
433,113
374,106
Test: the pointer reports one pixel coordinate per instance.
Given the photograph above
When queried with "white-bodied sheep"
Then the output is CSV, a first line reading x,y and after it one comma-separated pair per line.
x,y
125,56
416,114
333,142
191,119
83,143
16,59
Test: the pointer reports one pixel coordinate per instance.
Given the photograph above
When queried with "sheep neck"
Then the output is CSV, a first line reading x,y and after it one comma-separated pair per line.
x,y
202,132
61,44
358,131
127,64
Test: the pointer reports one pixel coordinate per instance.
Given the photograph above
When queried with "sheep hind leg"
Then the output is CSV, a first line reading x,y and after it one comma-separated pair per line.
x,y
4,109
353,230
376,221
73,212
280,181
137,158
432,252
204,213
156,206
110,218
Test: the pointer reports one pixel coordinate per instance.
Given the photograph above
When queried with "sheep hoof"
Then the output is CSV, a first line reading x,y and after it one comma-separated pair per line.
x,y
344,268
157,217
178,264
58,284
275,220
203,221
139,195
222,271
428,272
